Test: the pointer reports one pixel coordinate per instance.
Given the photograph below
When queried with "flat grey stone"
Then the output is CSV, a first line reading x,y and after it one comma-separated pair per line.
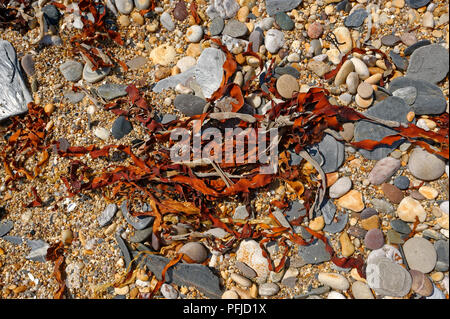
x,y
415,4
390,40
182,274
235,29
217,232
110,91
400,226
392,108
388,278
28,65
382,206
284,21
328,210
442,250
141,235
71,70
400,62
287,70
189,104
38,250
15,240
208,73
216,26
5,227
167,118
409,50
420,254
107,215
241,212
275,6
14,94
94,76
331,152
139,222
256,38
315,291
296,210
425,166
121,127
245,270
123,249
429,98
408,94
314,253
339,225
356,18
74,97
429,63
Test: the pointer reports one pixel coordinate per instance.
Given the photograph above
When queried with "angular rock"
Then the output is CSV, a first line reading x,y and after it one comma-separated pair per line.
x,y
226,9
139,222
275,6
121,127
338,223
110,91
5,227
314,253
141,235
38,250
189,104
356,18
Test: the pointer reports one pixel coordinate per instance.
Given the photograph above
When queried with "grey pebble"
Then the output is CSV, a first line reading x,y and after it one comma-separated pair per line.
x,y
121,127
189,104
235,29
356,18
107,215
315,253
429,63
5,227
167,22
246,270
275,6
138,223
409,50
216,26
442,250
338,223
110,91
141,235
71,70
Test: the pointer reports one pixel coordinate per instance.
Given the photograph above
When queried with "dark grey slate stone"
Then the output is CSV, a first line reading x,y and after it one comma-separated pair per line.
x,y
110,91
357,232
74,97
107,215
409,50
343,6
328,210
71,70
390,40
429,99
245,270
216,26
189,105
332,153
356,18
14,94
296,210
15,240
337,225
400,226
256,38
182,274
139,222
284,21
303,232
287,70
121,127
400,62
38,250
415,4
392,108
5,227
442,250
123,249
167,118
429,63
314,253
141,235
51,14
275,6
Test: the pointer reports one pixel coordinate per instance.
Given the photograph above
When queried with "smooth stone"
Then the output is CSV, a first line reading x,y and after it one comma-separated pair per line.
x,y
275,6
390,40
194,250
328,210
352,200
216,26
216,232
409,50
268,289
420,254
28,64
356,18
374,239
346,99
394,238
180,11
343,72
226,9
107,215
189,105
230,294
408,38
110,91
5,227
318,67
335,295
15,240
347,246
166,21
168,291
392,193
352,82
370,223
245,270
182,274
71,70
408,94
368,212
429,98
265,24
74,97
338,223
38,250
142,4
250,253
121,127
400,62
341,187
274,40
415,4
388,278
334,280
429,63
51,14
139,222
284,21
387,251
444,206
425,166
416,195
442,250
235,29
124,6
185,63
287,85
241,280
428,192
344,39
391,108
141,235
287,70
315,30
163,55
194,34
360,290
400,226
94,76
363,103
409,209
362,69
315,253
256,38
137,62
421,284
365,90
382,206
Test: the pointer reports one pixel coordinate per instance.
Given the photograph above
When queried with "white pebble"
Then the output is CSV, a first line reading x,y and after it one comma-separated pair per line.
x,y
334,280
101,133
335,295
194,33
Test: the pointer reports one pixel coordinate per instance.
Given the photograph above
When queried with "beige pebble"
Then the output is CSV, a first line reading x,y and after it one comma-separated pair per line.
x,y
371,222
230,294
124,21
241,280
443,221
398,3
409,208
374,79
49,108
365,90
352,200
437,276
352,82
410,116
343,72
360,68
163,55
428,192
346,245
364,103
242,14
287,85
137,18
343,37
317,223
66,236
254,291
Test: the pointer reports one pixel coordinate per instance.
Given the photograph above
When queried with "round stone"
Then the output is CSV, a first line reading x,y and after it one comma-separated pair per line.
x,y
284,21
421,284
28,65
420,254
402,182
287,85
374,239
142,4
429,63
268,289
163,55
341,187
274,40
241,280
425,166
230,294
168,291
361,291
180,11
235,29
66,236
392,193
315,30
363,103
368,212
343,72
365,90
390,40
195,251
167,22
124,21
216,26
101,133
250,253
137,18
194,33
71,70
124,6
388,278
